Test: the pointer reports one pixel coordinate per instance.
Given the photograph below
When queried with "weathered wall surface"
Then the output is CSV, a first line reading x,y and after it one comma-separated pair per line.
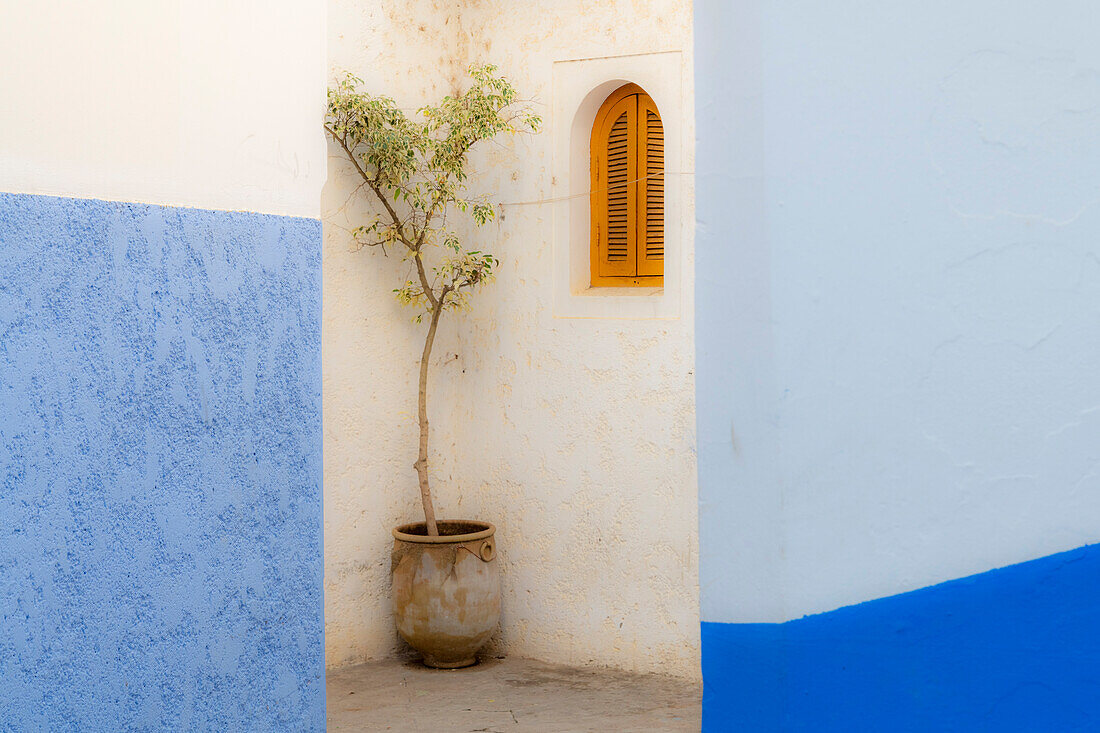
x,y
574,435
371,346
898,348
160,428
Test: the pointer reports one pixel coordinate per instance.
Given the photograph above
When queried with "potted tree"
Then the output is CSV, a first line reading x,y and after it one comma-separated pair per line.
x,y
446,583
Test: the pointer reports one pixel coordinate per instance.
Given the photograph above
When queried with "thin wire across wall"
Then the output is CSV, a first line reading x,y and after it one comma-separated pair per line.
x,y
586,194
554,200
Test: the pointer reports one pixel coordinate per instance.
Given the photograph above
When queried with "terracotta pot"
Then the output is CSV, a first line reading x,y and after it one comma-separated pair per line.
x,y
446,590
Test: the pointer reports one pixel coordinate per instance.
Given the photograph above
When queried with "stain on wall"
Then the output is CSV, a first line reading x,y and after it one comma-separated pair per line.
x,y
160,468
574,436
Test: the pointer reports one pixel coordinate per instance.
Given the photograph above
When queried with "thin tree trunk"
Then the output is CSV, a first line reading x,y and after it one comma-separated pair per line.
x,y
421,464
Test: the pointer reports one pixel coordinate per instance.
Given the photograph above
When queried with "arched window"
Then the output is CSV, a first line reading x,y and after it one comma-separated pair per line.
x,y
628,191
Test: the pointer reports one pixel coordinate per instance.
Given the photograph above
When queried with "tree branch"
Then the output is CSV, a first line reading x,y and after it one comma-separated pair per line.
x,y
429,291
420,168
372,183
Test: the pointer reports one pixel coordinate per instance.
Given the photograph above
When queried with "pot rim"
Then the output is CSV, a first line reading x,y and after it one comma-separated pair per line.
x,y
401,532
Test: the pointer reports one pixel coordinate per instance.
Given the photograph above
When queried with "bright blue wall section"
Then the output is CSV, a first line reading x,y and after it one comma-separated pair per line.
x,y
160,468
1015,649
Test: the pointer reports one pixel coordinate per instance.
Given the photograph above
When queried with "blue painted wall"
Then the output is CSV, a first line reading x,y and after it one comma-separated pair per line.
x,y
160,468
1015,649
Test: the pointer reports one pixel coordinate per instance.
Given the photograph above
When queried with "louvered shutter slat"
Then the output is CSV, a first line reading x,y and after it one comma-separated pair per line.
x,y
651,244
615,189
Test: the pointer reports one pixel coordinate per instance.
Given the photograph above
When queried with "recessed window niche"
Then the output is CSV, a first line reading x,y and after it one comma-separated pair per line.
x,y
581,88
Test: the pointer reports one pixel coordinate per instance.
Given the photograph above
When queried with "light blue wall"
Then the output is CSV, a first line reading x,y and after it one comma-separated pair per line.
x,y
898,295
897,299
160,468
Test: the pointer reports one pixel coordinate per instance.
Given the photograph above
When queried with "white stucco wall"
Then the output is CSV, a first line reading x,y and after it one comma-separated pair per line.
x,y
899,296
195,103
571,428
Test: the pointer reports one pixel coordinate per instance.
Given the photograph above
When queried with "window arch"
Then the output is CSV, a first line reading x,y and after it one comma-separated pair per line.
x,y
628,191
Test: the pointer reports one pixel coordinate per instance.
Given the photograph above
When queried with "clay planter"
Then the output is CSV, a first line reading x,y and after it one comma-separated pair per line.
x,y
446,590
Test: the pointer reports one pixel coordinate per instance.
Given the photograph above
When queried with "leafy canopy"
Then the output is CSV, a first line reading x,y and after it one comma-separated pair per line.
x,y
416,168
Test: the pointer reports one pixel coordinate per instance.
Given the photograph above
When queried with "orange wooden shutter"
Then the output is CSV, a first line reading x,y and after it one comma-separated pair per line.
x,y
627,199
651,201
616,173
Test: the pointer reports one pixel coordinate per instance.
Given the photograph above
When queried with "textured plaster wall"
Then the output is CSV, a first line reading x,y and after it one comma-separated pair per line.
x,y
160,468
898,296
574,435
182,102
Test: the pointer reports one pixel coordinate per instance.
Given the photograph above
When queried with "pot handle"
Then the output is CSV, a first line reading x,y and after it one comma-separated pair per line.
x,y
488,550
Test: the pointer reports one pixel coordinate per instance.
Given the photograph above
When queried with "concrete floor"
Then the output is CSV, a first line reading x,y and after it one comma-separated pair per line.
x,y
507,696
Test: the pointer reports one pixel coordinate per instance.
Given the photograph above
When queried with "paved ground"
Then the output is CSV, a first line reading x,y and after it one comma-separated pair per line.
x,y
507,696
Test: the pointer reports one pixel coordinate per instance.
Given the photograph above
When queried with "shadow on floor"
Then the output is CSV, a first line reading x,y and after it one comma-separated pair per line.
x,y
507,696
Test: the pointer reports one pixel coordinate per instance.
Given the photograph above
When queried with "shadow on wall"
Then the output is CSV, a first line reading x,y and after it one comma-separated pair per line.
x,y
1014,649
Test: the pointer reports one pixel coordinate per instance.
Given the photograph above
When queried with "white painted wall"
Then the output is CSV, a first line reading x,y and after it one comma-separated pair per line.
x,y
899,295
575,435
179,102
580,87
